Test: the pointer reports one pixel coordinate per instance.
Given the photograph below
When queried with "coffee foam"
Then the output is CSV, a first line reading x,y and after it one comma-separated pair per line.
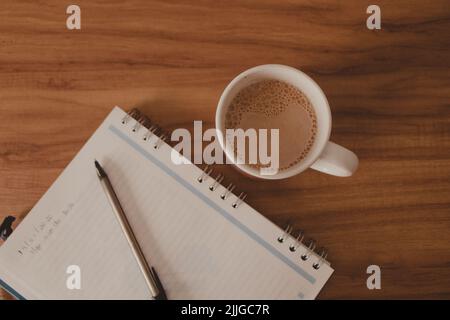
x,y
267,101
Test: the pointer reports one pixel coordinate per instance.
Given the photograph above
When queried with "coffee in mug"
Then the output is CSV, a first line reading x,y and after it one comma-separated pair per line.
x,y
273,104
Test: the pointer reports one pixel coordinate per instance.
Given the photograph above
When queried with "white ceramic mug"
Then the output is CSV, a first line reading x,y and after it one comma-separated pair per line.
x,y
324,156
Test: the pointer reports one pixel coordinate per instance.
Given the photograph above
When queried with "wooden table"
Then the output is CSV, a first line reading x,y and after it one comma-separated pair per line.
x,y
388,90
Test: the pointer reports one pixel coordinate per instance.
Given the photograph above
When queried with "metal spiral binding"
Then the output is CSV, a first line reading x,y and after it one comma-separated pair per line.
x,y
160,141
286,234
133,113
320,261
136,126
297,241
143,121
239,200
150,132
294,246
227,192
216,182
312,245
206,173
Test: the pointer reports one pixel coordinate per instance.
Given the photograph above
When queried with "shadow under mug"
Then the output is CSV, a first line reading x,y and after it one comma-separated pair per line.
x,y
324,156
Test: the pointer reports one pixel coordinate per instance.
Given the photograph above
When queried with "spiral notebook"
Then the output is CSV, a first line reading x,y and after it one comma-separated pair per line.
x,y
204,241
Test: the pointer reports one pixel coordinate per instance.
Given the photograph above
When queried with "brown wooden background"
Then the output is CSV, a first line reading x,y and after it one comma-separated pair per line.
x,y
388,90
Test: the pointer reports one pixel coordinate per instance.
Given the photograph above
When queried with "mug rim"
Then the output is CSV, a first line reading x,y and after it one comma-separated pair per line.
x,y
325,129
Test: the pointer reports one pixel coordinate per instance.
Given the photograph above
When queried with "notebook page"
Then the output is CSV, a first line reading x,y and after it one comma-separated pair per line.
x,y
200,246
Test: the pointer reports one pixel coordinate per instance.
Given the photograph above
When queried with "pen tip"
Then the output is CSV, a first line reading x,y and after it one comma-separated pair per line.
x,y
101,173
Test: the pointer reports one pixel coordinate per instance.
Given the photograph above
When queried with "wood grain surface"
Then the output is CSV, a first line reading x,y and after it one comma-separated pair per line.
x,y
388,90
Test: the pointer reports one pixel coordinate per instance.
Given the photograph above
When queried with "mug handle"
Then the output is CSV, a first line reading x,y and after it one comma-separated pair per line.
x,y
336,160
